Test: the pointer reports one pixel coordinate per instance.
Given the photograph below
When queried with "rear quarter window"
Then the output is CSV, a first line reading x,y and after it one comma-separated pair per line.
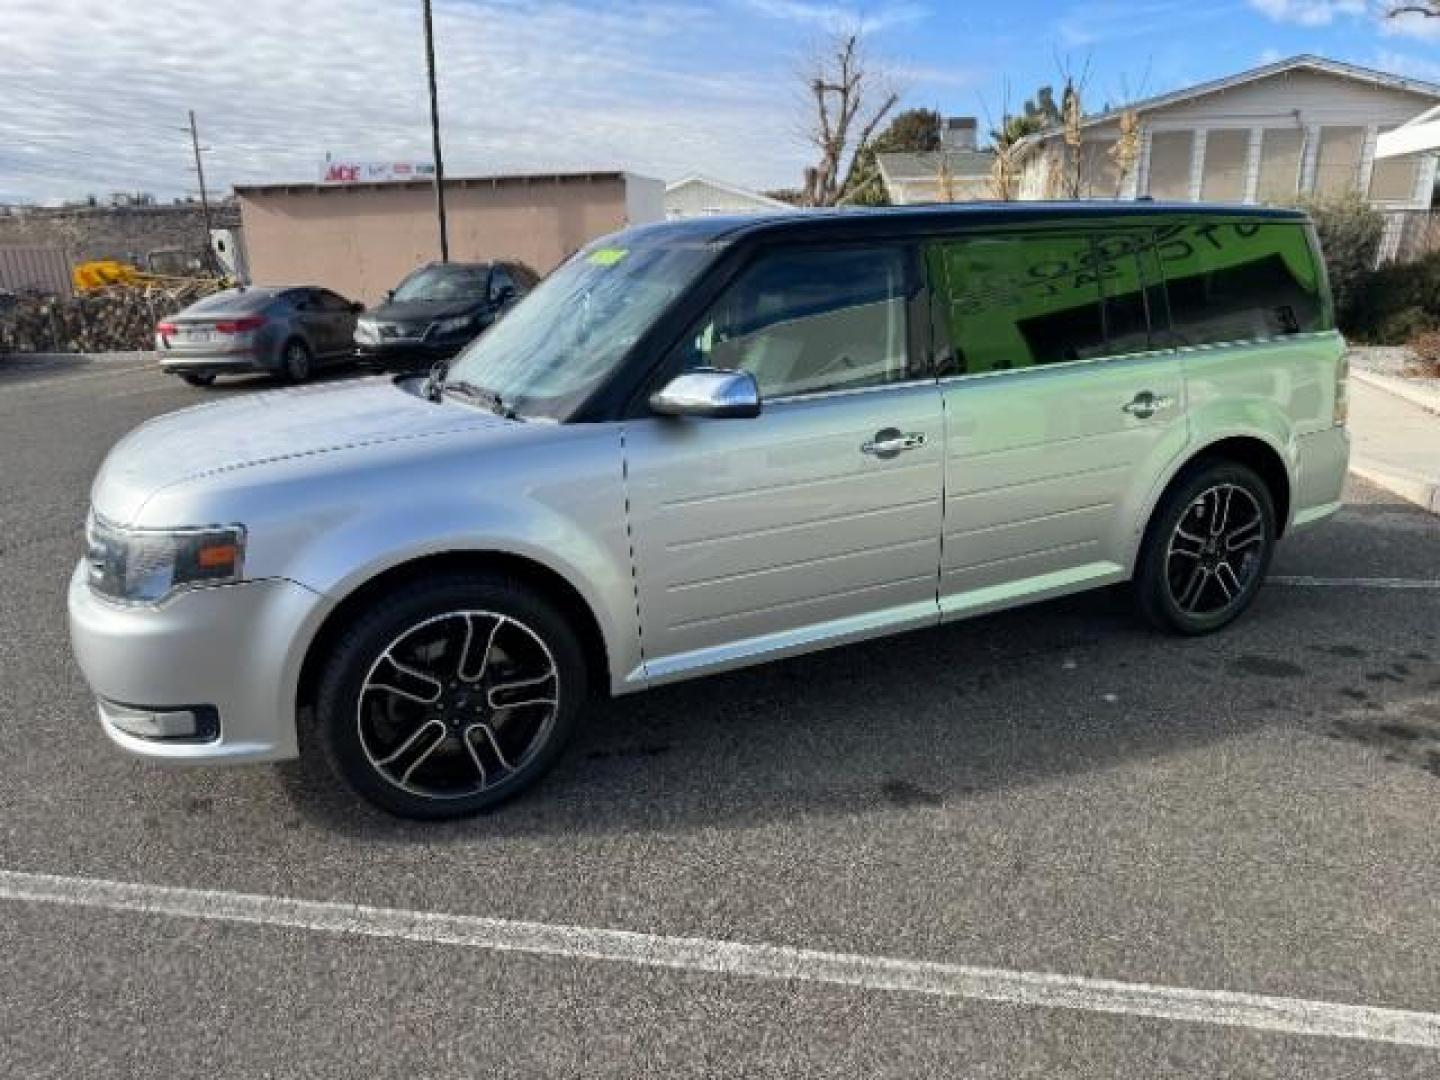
x,y
1027,299
1241,281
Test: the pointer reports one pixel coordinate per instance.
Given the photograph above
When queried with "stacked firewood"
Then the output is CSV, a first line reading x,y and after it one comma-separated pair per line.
x,y
118,318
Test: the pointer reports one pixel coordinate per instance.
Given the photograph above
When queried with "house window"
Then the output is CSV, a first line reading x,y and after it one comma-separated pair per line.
x,y
1099,173
1170,164
1224,177
1280,150
1393,179
1337,165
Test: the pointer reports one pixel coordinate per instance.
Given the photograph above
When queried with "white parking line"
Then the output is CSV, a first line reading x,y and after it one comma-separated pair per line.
x,y
1356,582
1259,1012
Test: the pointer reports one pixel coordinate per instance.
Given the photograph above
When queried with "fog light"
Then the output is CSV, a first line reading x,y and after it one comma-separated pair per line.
x,y
186,723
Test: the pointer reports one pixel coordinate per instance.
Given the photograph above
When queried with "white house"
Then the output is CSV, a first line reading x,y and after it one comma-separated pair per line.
x,y
700,196
957,172
1297,126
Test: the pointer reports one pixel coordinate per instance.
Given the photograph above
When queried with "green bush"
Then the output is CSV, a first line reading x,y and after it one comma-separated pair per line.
x,y
1391,305
1350,230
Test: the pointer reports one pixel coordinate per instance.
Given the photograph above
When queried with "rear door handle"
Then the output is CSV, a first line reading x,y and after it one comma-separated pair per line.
x,y
1145,404
888,442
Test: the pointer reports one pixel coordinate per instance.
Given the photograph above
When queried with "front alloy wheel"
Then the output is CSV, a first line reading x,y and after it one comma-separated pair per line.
x,y
451,696
458,704
1207,550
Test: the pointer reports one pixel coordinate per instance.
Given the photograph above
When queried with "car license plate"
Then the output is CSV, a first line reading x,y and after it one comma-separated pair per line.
x,y
198,337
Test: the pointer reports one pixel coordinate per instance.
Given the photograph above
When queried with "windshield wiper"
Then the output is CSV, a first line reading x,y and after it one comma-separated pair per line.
x,y
481,395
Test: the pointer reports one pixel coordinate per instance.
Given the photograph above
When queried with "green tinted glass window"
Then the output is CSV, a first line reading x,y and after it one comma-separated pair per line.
x,y
1016,301
1131,300
1240,281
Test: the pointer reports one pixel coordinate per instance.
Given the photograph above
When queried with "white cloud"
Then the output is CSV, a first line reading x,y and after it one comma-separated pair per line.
x,y
1417,67
1308,12
1094,23
827,15
92,92
1412,24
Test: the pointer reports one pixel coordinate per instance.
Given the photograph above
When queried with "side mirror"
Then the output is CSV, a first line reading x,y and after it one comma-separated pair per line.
x,y
356,308
389,295
712,392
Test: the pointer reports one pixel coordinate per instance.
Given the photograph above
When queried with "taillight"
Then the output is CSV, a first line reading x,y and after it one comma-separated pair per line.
x,y
165,329
240,326
1342,391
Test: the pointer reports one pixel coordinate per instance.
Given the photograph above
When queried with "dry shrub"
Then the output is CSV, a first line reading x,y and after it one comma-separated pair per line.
x,y
1426,347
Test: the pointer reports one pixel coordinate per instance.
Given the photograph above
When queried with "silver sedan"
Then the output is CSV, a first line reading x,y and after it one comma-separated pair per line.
x,y
287,331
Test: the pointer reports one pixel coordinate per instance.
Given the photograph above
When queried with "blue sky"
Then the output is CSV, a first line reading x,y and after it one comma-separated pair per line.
x,y
93,92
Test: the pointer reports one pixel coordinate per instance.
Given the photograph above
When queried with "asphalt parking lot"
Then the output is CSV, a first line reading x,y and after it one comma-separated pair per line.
x,y
1227,846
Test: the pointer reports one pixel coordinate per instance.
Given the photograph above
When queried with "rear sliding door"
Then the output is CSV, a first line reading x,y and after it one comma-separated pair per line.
x,y
1061,408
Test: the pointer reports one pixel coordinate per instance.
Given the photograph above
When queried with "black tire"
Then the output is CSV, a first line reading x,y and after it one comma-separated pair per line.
x,y
1167,574
360,729
198,378
296,361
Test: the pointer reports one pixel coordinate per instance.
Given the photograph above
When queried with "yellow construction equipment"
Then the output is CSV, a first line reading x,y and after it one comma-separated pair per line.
x,y
103,273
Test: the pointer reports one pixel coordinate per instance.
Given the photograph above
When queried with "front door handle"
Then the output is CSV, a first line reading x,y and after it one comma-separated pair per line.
x,y
1145,404
888,442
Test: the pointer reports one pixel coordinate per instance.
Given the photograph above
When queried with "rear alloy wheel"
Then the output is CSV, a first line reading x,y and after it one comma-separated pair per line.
x,y
195,378
451,696
296,361
1207,551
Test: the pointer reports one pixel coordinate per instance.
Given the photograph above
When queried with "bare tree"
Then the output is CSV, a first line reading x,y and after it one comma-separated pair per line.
x,y
850,100
1126,151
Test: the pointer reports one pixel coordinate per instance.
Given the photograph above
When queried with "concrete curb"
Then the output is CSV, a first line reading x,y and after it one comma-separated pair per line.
x,y
1423,396
1423,491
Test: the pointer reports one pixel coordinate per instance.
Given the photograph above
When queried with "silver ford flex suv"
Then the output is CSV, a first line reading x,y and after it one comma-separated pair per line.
x,y
705,444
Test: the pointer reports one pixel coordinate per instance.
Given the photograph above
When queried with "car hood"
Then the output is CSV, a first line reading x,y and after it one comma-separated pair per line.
x,y
268,427
422,310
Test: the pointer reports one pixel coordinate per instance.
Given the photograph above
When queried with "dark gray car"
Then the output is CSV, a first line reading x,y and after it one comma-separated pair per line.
x,y
288,331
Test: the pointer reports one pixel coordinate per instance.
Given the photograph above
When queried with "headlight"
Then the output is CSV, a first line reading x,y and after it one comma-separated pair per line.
x,y
451,326
148,565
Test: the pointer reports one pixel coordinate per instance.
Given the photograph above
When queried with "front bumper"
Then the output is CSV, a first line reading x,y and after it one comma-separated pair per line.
x,y
231,648
409,354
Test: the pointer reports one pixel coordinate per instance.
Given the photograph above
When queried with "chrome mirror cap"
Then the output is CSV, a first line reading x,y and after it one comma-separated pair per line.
x,y
712,392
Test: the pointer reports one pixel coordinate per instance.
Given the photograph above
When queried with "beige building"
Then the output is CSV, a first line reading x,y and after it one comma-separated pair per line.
x,y
1298,126
361,239
957,172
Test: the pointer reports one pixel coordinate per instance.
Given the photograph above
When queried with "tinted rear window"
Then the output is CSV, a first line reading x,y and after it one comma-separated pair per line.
x,y
1241,281
1025,299
231,301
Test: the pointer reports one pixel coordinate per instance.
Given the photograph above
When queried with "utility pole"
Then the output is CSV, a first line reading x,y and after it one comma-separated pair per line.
x,y
204,196
435,136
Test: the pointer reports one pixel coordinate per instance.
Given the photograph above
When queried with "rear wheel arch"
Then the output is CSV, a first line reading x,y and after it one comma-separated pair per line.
x,y
543,580
1255,453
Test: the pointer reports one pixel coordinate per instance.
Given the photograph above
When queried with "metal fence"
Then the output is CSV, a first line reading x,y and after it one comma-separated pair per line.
x,y
34,270
1409,235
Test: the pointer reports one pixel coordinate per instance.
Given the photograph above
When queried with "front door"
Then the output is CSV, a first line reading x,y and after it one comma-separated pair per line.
x,y
1062,407
819,520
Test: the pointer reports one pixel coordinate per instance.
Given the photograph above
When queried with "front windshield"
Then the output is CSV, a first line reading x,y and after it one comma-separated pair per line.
x,y
550,352
443,283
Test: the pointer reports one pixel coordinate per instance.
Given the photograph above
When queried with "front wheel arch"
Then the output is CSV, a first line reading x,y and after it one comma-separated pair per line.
x,y
545,581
